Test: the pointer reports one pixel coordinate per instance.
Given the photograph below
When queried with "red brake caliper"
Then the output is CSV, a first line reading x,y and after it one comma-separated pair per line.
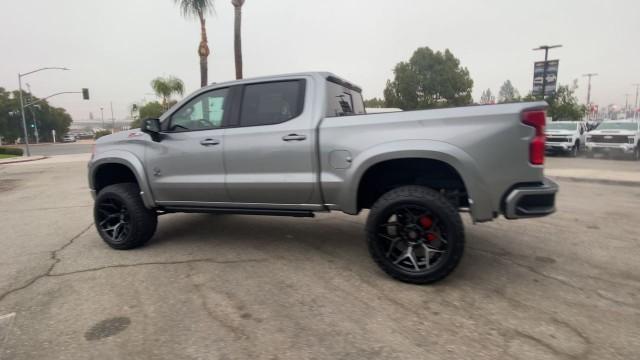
x,y
426,223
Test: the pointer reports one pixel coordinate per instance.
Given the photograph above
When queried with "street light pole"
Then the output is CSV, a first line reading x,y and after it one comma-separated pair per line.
x,y
33,115
24,120
102,115
544,72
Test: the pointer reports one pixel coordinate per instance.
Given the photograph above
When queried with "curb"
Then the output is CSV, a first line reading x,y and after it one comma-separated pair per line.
x,y
597,181
8,161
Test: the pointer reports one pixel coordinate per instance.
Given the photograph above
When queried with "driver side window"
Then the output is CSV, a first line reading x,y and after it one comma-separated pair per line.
x,y
204,112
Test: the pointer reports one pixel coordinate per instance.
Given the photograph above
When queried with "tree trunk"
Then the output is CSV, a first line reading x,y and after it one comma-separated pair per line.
x,y
203,52
237,40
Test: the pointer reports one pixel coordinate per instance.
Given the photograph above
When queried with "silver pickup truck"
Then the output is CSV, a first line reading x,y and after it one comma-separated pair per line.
x,y
297,144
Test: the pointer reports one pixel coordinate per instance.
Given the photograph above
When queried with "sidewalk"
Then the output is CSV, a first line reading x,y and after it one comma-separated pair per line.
x,y
21,159
55,159
611,177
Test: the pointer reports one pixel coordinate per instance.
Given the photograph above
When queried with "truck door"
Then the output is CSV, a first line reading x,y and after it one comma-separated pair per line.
x,y
187,165
269,153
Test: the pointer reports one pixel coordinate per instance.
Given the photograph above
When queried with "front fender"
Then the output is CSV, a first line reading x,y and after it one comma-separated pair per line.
x,y
129,160
480,198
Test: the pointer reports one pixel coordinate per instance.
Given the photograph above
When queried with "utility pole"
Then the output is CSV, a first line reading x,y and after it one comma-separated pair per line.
x,y
590,75
626,104
102,115
33,115
113,120
635,109
544,72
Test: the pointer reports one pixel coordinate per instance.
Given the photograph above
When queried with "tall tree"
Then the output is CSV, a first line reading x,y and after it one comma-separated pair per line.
x,y
508,93
237,36
47,117
564,105
487,97
166,87
149,110
374,103
429,80
199,9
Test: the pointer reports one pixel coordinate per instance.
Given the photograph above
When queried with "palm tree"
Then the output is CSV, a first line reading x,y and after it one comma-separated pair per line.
x,y
198,9
165,87
237,37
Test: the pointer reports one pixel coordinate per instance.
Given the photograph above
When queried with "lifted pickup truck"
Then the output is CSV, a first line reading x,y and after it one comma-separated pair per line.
x,y
298,144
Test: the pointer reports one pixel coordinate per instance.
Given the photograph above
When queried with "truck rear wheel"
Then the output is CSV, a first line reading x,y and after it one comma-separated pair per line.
x,y
121,218
415,235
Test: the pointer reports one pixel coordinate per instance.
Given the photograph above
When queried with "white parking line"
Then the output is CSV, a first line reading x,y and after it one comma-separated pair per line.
x,y
6,321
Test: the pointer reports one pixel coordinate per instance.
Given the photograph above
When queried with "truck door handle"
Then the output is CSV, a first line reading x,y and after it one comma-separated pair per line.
x,y
294,137
209,142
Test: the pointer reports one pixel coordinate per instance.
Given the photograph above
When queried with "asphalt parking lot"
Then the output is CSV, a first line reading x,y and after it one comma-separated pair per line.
x,y
238,287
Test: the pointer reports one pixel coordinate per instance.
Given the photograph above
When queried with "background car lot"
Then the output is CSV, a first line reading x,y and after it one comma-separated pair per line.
x,y
227,286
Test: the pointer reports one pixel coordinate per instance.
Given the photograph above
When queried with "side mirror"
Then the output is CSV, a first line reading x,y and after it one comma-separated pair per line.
x,y
151,127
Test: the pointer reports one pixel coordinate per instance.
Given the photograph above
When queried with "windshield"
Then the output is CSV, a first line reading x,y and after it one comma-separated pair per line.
x,y
618,126
561,126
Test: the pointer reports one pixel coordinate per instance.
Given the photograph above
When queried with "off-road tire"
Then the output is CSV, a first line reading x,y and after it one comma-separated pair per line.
x,y
439,206
142,222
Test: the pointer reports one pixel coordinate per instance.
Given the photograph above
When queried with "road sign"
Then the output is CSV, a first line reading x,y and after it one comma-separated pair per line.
x,y
552,77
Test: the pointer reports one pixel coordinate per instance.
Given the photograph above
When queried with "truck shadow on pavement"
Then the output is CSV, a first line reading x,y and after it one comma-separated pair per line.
x,y
336,239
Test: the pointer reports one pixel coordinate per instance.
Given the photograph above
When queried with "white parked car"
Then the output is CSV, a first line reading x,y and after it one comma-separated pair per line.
x,y
615,137
565,136
68,138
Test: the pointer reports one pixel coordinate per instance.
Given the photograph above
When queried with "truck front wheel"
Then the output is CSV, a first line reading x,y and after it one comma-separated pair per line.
x,y
121,218
415,235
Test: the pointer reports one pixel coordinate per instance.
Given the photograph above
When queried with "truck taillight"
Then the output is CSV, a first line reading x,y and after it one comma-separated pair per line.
x,y
536,119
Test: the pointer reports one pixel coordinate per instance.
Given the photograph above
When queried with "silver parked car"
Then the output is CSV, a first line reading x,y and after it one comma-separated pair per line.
x,y
69,138
293,145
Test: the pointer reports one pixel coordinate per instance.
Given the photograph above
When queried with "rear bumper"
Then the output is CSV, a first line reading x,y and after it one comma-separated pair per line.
x,y
531,200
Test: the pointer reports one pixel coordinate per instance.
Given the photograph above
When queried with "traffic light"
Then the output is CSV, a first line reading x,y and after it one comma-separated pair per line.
x,y
85,93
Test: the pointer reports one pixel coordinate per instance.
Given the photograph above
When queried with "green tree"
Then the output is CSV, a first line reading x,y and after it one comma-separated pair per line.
x,y
374,103
564,105
47,118
199,9
508,93
487,97
429,80
166,87
237,36
150,110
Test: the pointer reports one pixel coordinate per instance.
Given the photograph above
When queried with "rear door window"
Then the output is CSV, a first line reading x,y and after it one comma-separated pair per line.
x,y
272,103
342,101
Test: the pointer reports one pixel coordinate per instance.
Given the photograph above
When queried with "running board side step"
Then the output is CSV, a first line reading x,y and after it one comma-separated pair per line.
x,y
238,211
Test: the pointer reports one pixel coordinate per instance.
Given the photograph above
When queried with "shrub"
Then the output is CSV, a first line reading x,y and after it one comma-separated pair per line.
x,y
11,151
101,133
